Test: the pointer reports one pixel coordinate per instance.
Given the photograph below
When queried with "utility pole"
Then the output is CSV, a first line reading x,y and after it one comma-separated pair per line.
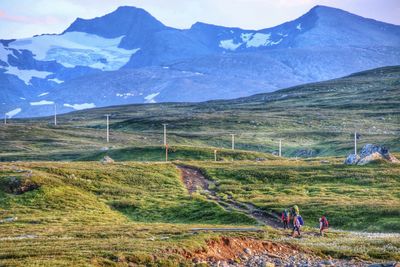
x,y
165,134
108,128
5,118
355,143
215,155
280,147
55,114
233,141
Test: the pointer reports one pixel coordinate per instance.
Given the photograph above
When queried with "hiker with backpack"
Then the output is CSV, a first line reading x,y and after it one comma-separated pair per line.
x,y
323,225
285,219
294,211
297,224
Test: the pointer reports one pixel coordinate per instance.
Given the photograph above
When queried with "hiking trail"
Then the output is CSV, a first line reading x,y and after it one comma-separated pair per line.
x,y
195,181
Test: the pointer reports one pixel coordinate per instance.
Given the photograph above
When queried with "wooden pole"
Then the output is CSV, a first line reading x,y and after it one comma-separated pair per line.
x,y
165,134
55,115
108,128
355,143
166,152
280,147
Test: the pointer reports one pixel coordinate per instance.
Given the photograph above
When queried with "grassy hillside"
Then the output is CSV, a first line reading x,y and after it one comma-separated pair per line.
x,y
352,197
313,119
80,213
145,192
60,207
85,213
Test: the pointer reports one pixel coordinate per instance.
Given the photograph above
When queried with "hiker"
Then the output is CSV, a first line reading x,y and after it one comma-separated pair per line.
x,y
297,224
285,219
323,225
294,211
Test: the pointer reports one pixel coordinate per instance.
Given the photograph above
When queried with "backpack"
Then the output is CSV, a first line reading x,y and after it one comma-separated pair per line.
x,y
300,220
285,214
325,222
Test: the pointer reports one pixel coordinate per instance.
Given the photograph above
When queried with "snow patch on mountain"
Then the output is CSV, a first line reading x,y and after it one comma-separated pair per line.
x,y
13,112
299,27
55,80
43,94
246,36
277,42
80,106
125,95
251,40
42,103
259,39
78,49
150,98
27,75
229,44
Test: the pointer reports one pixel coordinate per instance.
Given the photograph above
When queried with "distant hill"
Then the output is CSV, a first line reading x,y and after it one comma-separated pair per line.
x,y
315,119
128,56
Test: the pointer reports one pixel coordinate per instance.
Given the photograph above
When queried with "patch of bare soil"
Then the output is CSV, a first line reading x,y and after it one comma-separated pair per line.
x,y
226,248
240,251
193,179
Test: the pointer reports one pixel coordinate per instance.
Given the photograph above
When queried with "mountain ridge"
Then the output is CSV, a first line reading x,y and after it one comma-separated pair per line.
x,y
107,55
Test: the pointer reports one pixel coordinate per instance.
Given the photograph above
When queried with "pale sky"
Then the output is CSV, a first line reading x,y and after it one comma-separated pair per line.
x,y
25,18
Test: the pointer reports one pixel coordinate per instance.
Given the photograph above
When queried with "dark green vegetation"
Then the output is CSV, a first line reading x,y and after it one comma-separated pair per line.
x,y
313,119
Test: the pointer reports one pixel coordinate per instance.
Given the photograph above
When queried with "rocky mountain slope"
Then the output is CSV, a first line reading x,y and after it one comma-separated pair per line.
x,y
128,56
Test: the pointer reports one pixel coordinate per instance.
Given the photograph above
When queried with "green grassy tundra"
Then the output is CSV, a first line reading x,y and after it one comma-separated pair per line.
x,y
88,213
59,206
313,120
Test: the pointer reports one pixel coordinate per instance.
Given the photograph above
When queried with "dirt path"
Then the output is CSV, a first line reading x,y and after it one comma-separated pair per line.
x,y
195,181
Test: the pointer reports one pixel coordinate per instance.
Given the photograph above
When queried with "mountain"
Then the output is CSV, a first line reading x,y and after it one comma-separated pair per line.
x,y
128,56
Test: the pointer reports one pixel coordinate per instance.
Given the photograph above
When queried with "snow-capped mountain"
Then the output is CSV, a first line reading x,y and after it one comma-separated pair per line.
x,y
128,56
